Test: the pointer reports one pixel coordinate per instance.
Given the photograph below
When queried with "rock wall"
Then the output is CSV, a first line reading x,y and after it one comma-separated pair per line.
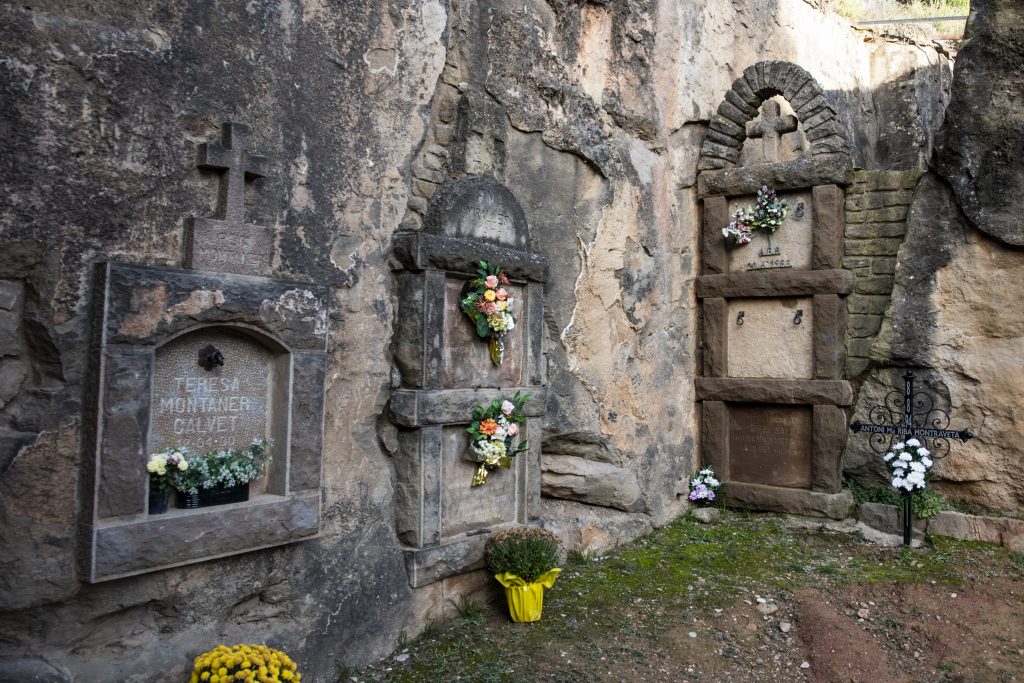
x,y
592,113
953,317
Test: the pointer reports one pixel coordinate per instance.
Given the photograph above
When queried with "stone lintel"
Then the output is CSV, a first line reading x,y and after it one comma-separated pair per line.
x,y
412,408
794,501
421,251
823,169
746,390
829,205
828,442
145,305
716,337
184,536
764,283
829,336
716,217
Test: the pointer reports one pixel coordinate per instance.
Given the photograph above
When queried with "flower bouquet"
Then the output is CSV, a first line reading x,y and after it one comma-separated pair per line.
x,y
246,663
488,304
219,477
767,214
525,562
704,487
494,428
162,467
910,463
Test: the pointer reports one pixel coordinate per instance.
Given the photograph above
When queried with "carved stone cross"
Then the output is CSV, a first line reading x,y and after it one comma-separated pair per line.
x,y
225,243
770,128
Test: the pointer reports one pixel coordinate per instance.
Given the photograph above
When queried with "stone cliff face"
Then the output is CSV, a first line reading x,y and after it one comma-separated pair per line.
x,y
954,313
591,113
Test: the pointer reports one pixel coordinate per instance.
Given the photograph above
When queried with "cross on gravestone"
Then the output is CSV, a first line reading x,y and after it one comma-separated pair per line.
x,y
770,128
225,243
913,409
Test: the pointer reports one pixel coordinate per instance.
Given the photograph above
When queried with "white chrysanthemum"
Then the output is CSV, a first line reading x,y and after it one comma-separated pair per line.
x,y
923,452
712,482
906,457
899,447
916,478
889,456
490,451
913,442
917,467
897,482
927,461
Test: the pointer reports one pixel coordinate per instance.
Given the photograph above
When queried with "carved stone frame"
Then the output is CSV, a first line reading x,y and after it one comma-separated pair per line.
x,y
826,169
141,309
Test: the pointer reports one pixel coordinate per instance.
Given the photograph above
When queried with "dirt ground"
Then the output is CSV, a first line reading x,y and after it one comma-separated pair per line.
x,y
747,599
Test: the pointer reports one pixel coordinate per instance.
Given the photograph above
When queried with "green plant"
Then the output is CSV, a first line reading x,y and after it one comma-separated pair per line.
x,y
224,467
924,502
527,553
470,611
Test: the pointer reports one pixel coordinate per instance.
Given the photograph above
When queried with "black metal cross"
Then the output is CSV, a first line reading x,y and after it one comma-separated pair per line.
x,y
912,405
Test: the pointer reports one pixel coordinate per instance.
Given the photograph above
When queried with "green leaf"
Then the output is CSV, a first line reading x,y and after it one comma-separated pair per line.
x,y
482,330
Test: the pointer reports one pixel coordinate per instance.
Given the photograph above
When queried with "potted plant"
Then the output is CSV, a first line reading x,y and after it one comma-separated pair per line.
x,y
162,468
244,663
220,477
524,561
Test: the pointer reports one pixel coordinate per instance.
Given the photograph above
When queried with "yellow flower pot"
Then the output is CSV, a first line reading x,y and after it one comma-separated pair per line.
x,y
526,600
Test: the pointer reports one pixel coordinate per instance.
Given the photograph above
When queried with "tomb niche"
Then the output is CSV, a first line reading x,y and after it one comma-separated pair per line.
x,y
206,360
446,371
772,387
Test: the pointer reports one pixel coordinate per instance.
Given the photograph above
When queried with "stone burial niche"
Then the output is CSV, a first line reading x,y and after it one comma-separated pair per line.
x,y
204,361
446,371
773,317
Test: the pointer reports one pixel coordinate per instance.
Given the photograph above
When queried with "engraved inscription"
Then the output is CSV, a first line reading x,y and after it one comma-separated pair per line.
x,y
788,247
770,444
487,219
226,407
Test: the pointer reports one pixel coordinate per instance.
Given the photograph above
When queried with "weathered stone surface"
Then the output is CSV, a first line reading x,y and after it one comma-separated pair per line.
x,y
33,671
588,481
982,135
591,530
827,448
966,527
705,515
770,444
769,343
828,169
582,445
794,501
480,208
880,516
415,408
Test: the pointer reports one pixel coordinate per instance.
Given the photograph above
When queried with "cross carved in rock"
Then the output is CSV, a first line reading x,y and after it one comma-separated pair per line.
x,y
771,128
225,242
230,155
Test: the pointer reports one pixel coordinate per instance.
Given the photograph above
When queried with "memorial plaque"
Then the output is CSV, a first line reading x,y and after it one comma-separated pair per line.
x,y
790,245
477,207
466,359
225,407
465,507
775,339
770,444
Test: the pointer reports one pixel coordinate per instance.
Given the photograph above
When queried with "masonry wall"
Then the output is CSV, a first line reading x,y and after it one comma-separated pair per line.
x,y
591,113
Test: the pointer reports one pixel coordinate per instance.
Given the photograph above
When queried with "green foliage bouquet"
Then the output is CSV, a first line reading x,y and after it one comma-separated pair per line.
x,y
224,467
488,304
492,432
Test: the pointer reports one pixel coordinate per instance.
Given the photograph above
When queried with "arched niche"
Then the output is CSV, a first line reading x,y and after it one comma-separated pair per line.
x,y
203,404
728,127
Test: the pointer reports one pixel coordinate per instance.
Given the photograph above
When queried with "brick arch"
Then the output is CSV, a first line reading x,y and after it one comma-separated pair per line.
x,y
728,128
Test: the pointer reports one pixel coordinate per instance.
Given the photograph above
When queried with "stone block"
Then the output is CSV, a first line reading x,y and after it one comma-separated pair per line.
x,y
855,263
860,326
823,169
829,392
764,283
966,527
794,501
716,335
862,230
883,266
867,304
591,482
11,292
878,284
881,517
859,347
829,438
897,198
875,247
888,214
856,366
892,229
854,216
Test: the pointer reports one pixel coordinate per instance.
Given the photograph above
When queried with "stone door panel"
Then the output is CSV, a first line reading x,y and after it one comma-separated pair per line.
x,y
467,362
464,507
790,246
771,444
771,338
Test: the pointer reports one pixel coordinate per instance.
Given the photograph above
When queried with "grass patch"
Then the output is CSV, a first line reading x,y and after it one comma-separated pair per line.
x,y
601,608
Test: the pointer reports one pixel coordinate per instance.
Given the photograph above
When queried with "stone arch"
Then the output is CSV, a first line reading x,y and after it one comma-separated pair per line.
x,y
728,128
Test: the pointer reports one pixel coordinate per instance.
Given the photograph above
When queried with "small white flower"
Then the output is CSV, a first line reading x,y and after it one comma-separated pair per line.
x,y
906,457
917,467
897,482
889,456
899,447
923,452
916,478
913,442
711,481
927,461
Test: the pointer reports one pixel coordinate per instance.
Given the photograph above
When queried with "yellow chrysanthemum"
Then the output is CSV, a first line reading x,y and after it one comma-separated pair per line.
x,y
490,295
